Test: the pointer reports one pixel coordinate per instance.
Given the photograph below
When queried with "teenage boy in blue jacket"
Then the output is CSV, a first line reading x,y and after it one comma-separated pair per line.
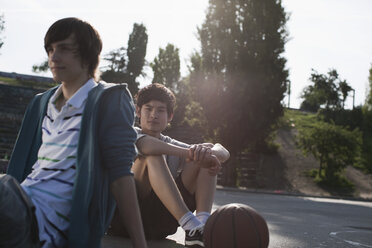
x,y
173,179
73,155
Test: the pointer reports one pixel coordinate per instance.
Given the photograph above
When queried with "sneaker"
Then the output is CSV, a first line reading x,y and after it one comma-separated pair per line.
x,y
194,237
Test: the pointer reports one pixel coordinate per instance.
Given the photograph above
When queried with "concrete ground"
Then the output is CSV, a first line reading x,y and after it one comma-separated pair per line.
x,y
293,221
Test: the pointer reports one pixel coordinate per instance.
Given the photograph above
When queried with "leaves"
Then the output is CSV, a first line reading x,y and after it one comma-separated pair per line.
x,y
333,146
166,67
126,64
328,90
244,76
2,27
42,67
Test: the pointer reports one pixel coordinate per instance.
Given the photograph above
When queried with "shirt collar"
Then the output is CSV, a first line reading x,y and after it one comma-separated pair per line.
x,y
79,97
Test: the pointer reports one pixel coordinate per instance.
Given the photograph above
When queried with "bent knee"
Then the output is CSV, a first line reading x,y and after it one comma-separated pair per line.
x,y
150,159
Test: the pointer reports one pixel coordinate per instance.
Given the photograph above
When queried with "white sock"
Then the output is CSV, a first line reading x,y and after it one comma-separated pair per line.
x,y
203,216
189,221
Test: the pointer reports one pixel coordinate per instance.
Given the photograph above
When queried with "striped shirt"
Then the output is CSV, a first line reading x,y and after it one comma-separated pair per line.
x,y
51,181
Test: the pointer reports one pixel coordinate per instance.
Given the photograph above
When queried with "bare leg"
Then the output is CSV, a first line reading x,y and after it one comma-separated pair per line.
x,y
197,180
152,172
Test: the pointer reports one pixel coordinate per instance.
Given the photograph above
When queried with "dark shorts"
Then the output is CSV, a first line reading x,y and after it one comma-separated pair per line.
x,y
18,225
158,222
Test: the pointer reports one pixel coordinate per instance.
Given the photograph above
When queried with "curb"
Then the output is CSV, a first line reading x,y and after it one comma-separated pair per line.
x,y
286,193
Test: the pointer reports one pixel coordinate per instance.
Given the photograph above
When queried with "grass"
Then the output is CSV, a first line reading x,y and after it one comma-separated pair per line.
x,y
337,185
26,83
297,119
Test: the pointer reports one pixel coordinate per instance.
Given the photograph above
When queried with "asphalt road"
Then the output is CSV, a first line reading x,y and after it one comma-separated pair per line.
x,y
293,221
308,222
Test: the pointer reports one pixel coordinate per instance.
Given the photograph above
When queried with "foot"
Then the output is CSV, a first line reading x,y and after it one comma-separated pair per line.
x,y
194,237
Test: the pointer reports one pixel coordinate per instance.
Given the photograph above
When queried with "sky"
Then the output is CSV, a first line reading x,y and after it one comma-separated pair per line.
x,y
323,34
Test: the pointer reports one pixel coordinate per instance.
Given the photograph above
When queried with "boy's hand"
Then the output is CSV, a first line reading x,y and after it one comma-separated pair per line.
x,y
199,152
202,154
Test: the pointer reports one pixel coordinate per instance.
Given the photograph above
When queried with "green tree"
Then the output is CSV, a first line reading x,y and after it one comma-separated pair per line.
x,y
333,146
117,60
367,127
244,78
137,44
126,64
116,69
42,67
328,90
344,88
2,27
368,102
166,67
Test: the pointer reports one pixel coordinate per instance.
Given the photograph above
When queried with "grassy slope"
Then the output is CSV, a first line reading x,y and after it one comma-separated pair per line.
x,y
297,166
24,83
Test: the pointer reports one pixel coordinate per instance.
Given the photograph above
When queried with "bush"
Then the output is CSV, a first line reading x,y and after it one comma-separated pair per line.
x,y
366,160
333,146
343,117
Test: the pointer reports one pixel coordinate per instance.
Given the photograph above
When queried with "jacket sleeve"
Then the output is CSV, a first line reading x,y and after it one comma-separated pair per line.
x,y
27,144
117,136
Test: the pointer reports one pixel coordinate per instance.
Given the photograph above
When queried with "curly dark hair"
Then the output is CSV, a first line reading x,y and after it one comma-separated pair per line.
x,y
156,92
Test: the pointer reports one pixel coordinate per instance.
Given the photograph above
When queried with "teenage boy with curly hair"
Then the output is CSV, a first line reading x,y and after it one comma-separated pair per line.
x,y
173,179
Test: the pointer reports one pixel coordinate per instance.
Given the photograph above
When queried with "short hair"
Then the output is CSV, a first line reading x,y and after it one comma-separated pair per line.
x,y
156,92
87,38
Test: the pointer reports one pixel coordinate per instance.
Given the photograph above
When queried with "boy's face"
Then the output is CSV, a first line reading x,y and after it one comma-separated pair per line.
x,y
65,62
154,117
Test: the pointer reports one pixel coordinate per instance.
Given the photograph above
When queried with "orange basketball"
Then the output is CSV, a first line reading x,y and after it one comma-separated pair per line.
x,y
236,226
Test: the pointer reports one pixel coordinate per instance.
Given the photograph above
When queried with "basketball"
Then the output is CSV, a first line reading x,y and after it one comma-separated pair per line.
x,y
236,226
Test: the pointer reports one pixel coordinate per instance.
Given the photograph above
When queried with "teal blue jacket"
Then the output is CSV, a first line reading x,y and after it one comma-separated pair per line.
x,y
106,151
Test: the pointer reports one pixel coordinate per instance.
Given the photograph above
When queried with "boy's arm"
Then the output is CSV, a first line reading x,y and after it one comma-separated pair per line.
x,y
149,145
124,192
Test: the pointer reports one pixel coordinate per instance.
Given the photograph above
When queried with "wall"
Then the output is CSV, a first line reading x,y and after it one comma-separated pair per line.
x,y
13,103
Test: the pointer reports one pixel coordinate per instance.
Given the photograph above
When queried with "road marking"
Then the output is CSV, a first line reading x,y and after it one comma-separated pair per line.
x,y
350,242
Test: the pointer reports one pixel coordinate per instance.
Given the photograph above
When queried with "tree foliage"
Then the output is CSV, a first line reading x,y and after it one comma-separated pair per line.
x,y
42,67
126,64
117,60
328,90
244,76
368,102
367,127
333,146
137,44
2,27
166,67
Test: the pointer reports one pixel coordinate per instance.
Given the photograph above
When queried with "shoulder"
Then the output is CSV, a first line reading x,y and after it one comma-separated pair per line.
x,y
110,88
110,95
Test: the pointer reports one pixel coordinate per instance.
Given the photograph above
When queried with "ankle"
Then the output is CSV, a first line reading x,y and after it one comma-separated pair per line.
x,y
203,216
189,221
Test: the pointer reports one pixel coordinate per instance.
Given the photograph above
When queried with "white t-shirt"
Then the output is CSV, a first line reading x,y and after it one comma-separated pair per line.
x,y
175,164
